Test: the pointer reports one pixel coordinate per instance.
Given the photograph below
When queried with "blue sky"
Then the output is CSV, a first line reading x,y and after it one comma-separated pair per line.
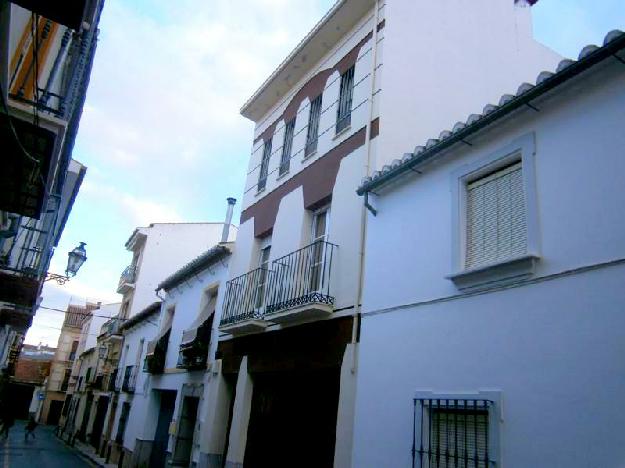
x,y
161,133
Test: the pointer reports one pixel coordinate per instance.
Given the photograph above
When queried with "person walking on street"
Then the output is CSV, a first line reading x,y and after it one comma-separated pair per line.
x,y
30,428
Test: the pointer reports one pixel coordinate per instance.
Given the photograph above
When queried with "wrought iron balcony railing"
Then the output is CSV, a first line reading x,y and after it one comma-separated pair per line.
x,y
297,279
130,379
111,327
301,277
127,279
245,296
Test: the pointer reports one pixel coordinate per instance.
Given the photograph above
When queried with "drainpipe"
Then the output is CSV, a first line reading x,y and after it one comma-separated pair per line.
x,y
226,231
367,171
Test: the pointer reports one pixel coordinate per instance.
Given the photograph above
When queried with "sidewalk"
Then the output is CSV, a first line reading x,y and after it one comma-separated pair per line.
x,y
89,452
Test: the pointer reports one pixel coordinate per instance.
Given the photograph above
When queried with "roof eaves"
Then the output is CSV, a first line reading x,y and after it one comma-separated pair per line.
x,y
589,56
329,14
141,316
196,265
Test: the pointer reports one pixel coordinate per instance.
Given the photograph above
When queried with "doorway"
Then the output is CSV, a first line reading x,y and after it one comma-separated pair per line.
x,y
161,436
186,429
293,419
98,422
54,412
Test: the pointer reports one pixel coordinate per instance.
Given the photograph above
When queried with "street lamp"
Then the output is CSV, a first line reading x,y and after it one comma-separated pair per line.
x,y
75,259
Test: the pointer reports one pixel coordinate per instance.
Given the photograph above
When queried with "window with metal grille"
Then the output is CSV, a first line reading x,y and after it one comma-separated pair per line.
x,y
496,220
287,146
451,433
264,166
344,112
312,135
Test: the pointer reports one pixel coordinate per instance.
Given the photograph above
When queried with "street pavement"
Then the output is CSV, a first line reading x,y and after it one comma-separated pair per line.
x,y
45,451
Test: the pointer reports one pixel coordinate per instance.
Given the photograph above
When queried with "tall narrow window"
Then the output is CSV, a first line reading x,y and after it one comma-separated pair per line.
x,y
312,134
344,113
264,166
263,267
317,260
496,221
285,161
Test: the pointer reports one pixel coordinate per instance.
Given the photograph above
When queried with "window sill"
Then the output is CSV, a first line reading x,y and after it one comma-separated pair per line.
x,y
283,175
309,156
259,191
495,274
342,132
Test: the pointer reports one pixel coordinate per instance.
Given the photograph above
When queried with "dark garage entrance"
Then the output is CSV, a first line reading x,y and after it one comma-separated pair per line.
x,y
293,419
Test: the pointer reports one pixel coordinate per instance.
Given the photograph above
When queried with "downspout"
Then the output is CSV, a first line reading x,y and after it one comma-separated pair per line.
x,y
367,171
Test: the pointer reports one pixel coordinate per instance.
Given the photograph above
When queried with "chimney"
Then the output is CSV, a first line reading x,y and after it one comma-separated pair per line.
x,y
226,231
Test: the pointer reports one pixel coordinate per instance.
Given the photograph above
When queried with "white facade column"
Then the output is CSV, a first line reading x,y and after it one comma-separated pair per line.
x,y
215,422
240,418
346,408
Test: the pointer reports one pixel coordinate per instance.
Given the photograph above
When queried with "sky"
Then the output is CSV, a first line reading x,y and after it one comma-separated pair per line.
x,y
161,132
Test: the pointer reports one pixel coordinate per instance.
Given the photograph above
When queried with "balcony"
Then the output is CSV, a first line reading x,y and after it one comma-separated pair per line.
x,y
127,279
296,288
111,327
156,352
130,379
244,304
97,383
111,384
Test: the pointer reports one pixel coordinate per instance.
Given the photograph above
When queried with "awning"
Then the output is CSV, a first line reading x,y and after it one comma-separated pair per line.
x,y
163,335
190,334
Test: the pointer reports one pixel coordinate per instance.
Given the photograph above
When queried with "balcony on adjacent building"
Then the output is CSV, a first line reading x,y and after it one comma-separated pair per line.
x,y
127,279
295,288
130,378
111,327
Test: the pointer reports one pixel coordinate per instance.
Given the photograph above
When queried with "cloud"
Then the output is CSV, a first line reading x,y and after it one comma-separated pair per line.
x,y
138,211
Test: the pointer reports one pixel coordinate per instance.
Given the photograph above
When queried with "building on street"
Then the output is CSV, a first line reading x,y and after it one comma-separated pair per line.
x,y
59,381
369,76
493,318
46,55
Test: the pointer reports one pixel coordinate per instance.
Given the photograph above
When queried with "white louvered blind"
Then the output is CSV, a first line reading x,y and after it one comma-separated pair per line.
x,y
459,438
496,221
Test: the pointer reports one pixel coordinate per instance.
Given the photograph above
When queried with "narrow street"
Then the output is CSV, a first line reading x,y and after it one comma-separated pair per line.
x,y
45,451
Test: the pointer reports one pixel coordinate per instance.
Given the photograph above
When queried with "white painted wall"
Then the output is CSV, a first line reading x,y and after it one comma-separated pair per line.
x,y
446,59
133,354
168,247
550,347
187,299
327,133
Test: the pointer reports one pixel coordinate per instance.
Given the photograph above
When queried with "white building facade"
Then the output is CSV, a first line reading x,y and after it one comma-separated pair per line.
x,y
179,377
291,319
492,317
158,250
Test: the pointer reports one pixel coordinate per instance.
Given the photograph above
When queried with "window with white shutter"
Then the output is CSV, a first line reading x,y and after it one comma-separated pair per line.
x,y
453,433
496,226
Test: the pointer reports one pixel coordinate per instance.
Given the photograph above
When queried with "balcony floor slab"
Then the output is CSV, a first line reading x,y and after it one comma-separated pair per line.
x,y
303,313
244,327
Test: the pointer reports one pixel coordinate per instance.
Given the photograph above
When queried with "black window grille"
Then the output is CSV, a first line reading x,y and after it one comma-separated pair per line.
x,y
344,112
285,161
312,134
451,433
264,166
